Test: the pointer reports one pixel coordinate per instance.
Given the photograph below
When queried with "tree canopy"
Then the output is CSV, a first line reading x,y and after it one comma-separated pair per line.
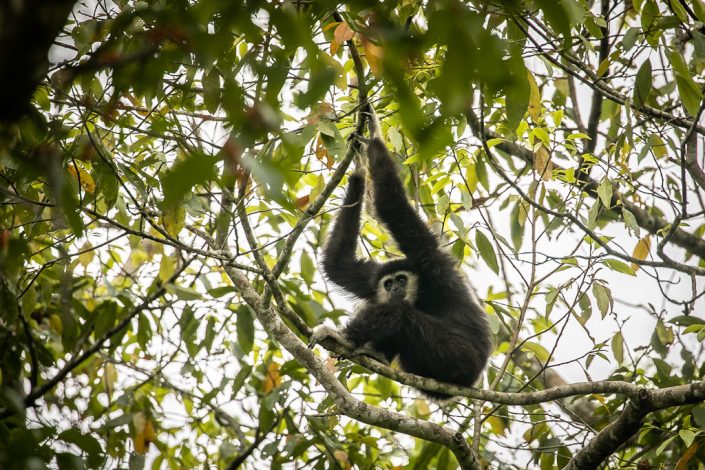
x,y
169,171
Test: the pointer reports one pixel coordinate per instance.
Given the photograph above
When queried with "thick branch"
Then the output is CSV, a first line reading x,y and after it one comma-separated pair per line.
x,y
629,422
608,440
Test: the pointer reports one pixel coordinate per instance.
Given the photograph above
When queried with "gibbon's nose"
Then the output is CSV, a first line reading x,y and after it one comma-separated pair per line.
x,y
397,292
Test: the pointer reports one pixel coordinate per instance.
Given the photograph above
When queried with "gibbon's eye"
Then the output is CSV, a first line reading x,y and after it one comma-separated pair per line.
x,y
401,280
388,284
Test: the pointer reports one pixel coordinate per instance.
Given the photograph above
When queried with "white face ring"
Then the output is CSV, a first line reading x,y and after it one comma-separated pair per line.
x,y
411,286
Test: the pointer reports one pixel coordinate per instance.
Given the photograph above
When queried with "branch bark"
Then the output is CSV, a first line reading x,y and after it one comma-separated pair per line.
x,y
630,420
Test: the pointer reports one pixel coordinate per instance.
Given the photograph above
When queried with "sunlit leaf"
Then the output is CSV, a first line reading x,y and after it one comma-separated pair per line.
x,y
641,250
272,378
618,266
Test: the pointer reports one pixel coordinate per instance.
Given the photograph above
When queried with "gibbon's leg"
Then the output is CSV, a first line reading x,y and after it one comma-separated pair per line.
x,y
374,323
340,263
392,206
439,348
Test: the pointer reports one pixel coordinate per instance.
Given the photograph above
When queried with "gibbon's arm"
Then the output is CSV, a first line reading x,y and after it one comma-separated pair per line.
x,y
410,232
340,263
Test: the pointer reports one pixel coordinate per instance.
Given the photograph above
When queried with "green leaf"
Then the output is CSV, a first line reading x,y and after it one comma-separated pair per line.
x,y
184,175
240,378
517,101
630,38
307,268
665,444
618,347
516,225
630,221
486,250
604,191
689,93
592,215
211,90
539,351
603,296
86,443
688,436
619,266
245,328
687,320
642,85
699,416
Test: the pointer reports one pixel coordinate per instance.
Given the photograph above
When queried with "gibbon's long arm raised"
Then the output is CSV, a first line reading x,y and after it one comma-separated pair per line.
x,y
410,232
341,264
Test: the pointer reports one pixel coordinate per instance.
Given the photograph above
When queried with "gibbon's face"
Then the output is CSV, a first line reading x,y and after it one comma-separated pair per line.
x,y
399,285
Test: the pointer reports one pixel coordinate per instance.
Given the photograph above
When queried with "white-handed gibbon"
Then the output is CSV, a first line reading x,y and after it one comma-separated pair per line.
x,y
419,308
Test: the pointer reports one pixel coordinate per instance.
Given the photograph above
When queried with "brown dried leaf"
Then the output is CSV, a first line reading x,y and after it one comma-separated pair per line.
x,y
543,164
343,33
303,201
374,55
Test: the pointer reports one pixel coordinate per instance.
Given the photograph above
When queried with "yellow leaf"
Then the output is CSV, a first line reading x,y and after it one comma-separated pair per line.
x,y
497,425
641,250
173,220
422,408
343,459
56,323
140,444
543,164
149,434
322,153
138,421
534,98
341,34
109,378
144,432
303,201
273,379
167,267
83,177
330,26
87,254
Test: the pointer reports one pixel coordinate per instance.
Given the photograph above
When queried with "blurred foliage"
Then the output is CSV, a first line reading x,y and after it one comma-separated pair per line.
x,y
154,115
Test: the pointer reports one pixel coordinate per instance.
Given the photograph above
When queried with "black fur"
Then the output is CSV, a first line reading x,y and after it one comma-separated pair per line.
x,y
444,333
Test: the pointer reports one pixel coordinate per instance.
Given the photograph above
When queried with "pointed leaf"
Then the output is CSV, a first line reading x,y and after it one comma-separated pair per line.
x,y
486,250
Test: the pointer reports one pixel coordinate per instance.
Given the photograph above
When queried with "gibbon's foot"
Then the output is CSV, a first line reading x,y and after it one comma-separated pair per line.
x,y
322,332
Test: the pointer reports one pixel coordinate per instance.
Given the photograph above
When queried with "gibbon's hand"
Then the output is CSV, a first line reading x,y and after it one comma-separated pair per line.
x,y
323,332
